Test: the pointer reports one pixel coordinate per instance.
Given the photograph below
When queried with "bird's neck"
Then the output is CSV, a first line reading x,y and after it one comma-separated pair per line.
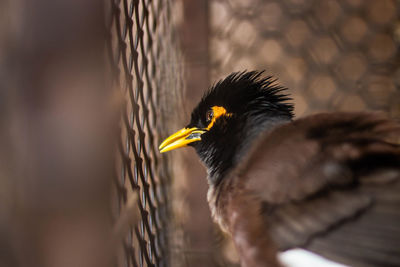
x,y
227,152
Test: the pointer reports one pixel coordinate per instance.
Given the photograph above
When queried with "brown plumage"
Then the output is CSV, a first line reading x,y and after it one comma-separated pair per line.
x,y
325,181
329,183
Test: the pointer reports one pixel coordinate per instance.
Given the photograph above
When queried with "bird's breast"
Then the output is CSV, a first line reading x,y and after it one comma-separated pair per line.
x,y
218,200
222,199
216,211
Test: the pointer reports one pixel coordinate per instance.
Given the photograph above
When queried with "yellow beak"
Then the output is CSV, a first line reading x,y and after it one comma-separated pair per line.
x,y
181,138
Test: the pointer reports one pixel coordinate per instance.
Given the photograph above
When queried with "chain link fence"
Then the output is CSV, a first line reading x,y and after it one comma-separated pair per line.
x,y
144,60
331,54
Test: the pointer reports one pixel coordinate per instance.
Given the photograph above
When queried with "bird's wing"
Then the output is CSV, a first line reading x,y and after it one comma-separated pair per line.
x,y
330,183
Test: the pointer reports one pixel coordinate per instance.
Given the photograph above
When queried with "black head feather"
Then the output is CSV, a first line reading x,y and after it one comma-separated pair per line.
x,y
256,103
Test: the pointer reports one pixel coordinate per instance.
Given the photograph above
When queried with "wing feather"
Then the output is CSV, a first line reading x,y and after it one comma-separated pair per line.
x,y
330,183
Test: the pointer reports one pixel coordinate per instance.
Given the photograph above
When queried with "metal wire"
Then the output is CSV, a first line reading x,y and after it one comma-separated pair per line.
x,y
332,54
140,47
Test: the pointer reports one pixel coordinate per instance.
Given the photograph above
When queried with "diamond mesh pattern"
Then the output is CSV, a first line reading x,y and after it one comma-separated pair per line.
x,y
142,49
333,55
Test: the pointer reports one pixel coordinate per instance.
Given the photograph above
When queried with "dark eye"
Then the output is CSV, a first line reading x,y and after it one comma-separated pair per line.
x,y
209,115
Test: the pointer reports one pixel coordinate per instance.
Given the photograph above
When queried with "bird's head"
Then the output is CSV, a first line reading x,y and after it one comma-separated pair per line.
x,y
229,117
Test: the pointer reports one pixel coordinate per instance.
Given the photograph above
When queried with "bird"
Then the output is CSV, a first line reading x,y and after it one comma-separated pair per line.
x,y
328,183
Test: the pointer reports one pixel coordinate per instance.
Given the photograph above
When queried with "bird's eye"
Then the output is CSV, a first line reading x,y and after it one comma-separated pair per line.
x,y
209,115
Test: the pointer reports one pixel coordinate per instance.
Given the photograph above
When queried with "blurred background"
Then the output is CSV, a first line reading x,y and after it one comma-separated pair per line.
x,y
331,54
89,89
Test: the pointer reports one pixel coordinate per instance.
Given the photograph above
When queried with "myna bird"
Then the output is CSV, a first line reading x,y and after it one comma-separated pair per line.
x,y
328,183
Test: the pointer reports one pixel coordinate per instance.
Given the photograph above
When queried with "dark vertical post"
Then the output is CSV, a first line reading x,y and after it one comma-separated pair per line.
x,y
56,156
199,226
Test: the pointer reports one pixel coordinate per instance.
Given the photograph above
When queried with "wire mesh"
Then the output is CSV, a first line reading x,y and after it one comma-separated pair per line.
x,y
142,48
333,55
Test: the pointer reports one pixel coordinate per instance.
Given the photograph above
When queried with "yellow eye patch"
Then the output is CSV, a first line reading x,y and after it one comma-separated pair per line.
x,y
216,113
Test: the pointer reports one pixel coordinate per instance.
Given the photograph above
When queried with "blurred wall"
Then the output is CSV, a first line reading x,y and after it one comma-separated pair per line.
x,y
56,128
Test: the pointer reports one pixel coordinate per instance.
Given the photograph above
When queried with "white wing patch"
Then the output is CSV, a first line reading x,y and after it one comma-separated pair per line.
x,y
303,258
